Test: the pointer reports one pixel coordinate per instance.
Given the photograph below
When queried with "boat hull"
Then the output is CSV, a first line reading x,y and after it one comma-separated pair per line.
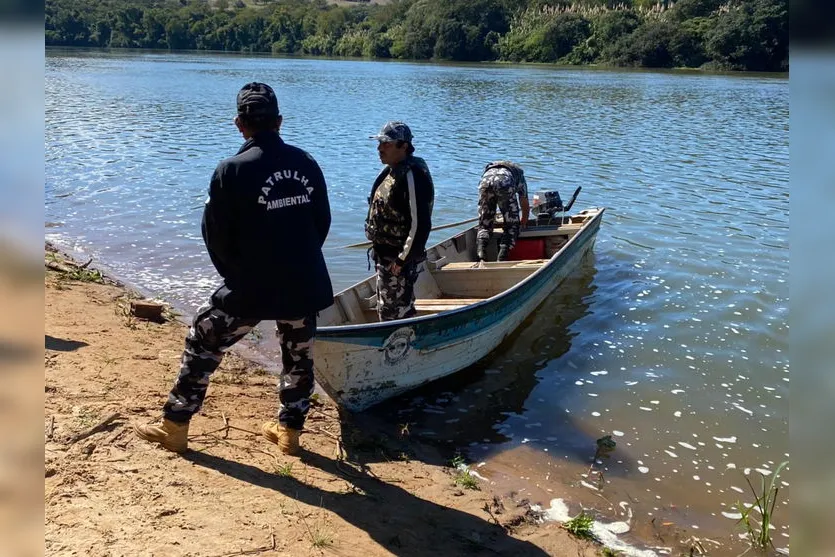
x,y
362,365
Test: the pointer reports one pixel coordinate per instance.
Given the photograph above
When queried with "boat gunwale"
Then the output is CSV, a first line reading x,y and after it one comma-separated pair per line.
x,y
365,327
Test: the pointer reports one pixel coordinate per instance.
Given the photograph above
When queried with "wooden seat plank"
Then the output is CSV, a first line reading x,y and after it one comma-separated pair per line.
x,y
487,265
446,301
443,304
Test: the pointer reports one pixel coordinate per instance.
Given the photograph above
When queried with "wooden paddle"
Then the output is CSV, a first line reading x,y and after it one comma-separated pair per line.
x,y
441,227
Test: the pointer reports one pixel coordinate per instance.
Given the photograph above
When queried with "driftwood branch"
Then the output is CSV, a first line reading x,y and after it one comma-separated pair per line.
x,y
95,429
66,265
55,266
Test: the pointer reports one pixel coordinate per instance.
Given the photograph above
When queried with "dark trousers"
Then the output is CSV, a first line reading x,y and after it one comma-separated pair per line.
x,y
212,333
498,190
395,293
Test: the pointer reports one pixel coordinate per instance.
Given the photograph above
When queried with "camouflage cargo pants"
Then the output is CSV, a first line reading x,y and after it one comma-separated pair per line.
x,y
395,293
212,333
498,189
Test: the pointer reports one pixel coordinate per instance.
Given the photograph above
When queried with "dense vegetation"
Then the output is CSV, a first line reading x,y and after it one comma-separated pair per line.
x,y
721,34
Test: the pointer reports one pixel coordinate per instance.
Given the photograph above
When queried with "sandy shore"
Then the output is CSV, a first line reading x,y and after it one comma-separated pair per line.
x,y
357,490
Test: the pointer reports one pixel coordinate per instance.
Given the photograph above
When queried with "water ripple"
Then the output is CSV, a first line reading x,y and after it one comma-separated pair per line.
x,y
677,340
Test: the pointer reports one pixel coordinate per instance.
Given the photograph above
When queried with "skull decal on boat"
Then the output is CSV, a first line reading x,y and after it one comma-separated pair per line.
x,y
398,345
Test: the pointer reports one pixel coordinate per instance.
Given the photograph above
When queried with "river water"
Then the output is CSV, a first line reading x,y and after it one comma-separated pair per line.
x,y
672,337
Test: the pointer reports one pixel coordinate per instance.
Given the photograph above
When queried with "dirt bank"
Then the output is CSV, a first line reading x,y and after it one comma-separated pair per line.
x,y
357,490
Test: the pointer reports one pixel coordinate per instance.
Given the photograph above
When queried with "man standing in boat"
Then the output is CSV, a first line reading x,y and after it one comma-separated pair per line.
x,y
264,223
502,184
399,220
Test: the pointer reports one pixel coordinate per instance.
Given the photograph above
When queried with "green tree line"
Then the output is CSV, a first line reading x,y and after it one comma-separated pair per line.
x,y
717,34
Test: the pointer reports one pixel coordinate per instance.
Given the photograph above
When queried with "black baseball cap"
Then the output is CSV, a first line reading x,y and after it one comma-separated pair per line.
x,y
257,100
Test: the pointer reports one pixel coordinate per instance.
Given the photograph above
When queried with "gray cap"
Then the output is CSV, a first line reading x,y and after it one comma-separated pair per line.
x,y
393,131
257,100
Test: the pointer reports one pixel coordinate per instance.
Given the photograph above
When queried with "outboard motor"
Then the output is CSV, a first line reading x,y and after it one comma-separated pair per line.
x,y
550,204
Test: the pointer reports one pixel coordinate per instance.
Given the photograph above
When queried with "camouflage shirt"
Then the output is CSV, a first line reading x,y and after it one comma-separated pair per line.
x,y
516,171
400,210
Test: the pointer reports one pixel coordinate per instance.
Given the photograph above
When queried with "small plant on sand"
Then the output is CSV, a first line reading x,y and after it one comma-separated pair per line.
x,y
759,534
581,526
169,314
320,538
85,275
457,461
72,271
284,470
463,478
123,309
109,360
609,552
319,535
86,417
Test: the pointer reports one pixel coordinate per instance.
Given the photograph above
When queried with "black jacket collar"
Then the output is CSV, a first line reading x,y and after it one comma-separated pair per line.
x,y
261,138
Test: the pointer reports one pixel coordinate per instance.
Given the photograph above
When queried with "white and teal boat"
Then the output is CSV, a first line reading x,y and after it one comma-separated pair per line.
x,y
464,312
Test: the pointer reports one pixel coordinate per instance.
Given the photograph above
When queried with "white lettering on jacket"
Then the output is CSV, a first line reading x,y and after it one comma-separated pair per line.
x,y
285,201
286,175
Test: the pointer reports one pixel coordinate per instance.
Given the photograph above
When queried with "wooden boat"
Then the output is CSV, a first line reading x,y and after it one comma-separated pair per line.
x,y
464,312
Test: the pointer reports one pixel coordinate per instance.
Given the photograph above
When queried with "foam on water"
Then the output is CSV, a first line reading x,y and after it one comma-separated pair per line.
x,y
607,532
677,321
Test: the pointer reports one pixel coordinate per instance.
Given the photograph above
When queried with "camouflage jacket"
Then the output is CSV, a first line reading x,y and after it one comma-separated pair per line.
x,y
516,171
400,210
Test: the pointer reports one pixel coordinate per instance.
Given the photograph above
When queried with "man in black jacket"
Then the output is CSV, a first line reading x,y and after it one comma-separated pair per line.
x,y
264,224
399,220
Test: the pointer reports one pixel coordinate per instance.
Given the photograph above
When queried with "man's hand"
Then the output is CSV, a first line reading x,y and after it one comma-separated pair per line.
x,y
394,268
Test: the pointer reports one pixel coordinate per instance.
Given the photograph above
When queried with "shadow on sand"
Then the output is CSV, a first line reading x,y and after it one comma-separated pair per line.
x,y
62,345
396,519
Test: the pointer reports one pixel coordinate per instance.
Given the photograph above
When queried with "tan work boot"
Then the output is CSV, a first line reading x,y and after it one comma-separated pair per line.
x,y
171,435
286,438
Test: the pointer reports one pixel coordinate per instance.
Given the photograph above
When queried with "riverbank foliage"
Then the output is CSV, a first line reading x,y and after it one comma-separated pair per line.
x,y
714,34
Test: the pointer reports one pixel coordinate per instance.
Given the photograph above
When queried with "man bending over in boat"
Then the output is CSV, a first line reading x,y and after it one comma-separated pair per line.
x,y
501,184
264,223
399,220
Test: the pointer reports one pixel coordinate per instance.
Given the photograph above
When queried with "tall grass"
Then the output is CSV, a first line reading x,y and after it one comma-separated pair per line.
x,y
759,533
